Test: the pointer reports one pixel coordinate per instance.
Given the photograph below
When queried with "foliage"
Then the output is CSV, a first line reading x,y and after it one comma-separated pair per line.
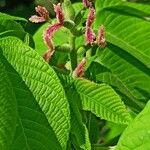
x,y
89,90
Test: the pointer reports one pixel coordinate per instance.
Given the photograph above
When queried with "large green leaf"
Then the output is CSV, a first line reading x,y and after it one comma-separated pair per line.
x,y
120,31
33,130
127,70
124,7
137,134
42,82
103,74
103,101
127,55
7,110
15,18
9,25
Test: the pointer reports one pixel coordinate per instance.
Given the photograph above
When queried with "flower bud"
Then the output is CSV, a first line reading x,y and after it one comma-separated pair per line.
x,y
43,15
91,17
89,36
68,10
48,35
80,69
87,3
101,37
59,13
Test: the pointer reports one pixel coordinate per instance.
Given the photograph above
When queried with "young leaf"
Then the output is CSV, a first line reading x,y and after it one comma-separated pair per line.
x,y
42,82
137,134
103,101
7,110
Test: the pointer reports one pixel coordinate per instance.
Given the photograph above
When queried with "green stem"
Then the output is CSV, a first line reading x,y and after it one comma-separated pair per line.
x,y
73,54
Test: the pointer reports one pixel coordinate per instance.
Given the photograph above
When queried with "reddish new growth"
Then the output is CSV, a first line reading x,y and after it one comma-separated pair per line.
x,y
91,17
101,37
80,69
43,15
87,4
48,34
59,13
89,34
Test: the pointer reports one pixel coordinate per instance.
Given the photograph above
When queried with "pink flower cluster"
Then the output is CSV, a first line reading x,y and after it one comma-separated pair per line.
x,y
49,32
43,15
89,33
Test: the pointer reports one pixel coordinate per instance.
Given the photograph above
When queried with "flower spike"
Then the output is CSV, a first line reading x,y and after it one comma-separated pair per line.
x,y
89,34
80,69
43,15
48,35
91,17
87,4
59,13
101,37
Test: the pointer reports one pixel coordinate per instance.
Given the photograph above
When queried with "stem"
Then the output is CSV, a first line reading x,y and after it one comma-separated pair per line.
x,y
73,54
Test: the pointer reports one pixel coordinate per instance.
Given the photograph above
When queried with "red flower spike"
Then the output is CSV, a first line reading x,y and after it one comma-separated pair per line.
x,y
101,37
36,19
59,13
86,3
91,17
43,15
80,69
48,35
89,34
42,12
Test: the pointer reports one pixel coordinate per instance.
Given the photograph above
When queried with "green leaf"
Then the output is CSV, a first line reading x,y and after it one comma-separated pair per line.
x,y
137,134
120,31
9,25
7,110
125,8
104,75
15,18
78,128
24,36
131,73
127,54
42,82
33,130
103,101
